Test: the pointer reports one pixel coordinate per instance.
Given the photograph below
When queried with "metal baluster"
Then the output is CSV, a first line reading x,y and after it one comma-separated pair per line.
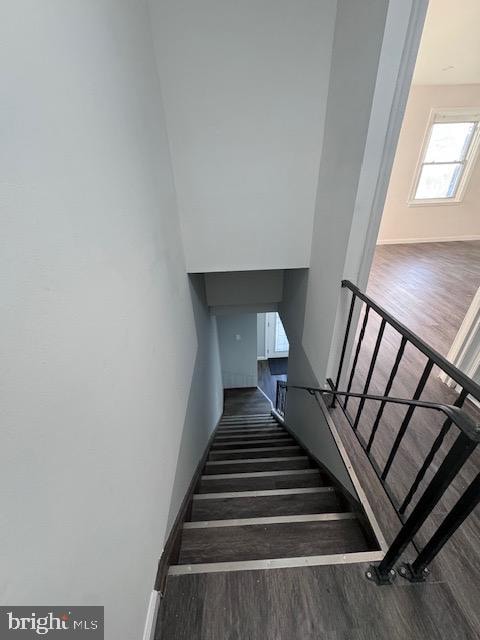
x,y
393,373
418,571
370,371
453,462
408,417
344,346
283,398
431,455
359,344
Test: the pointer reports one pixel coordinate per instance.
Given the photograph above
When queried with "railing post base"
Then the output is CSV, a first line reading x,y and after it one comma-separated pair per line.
x,y
407,572
379,578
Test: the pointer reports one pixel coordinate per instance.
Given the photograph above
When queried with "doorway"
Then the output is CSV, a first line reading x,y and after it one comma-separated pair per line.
x,y
272,352
426,267
276,341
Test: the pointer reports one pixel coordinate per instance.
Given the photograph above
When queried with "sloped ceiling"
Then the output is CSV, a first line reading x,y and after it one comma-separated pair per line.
x,y
450,47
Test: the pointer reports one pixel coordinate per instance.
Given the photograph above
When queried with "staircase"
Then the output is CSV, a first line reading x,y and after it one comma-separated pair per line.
x,y
262,502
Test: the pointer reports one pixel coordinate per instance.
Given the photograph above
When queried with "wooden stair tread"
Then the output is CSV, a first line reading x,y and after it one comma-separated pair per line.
x,y
255,542
262,451
262,502
251,422
250,433
262,464
290,480
271,505
278,441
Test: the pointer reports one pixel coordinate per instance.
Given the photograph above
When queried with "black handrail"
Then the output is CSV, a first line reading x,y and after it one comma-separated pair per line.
x,y
466,441
456,415
453,372
458,454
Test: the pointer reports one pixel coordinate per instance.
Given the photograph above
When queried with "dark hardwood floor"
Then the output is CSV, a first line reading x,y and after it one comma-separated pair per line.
x,y
266,381
316,603
244,402
427,286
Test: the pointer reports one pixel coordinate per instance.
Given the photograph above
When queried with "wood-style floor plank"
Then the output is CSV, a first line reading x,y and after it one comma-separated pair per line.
x,y
257,542
331,603
262,451
282,440
244,402
282,505
268,482
427,286
263,464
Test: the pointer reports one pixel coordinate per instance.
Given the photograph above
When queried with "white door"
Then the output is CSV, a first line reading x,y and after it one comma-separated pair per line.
x,y
276,341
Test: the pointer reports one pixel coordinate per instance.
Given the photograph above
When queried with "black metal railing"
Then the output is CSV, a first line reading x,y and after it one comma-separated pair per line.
x,y
466,439
281,397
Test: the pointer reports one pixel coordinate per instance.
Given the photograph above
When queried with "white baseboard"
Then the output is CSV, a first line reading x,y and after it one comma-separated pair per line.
x,y
153,604
432,239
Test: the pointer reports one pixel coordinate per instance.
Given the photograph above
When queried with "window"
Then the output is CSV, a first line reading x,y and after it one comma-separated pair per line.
x,y
447,157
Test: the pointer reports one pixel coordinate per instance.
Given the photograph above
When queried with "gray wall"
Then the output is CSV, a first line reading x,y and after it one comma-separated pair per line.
x,y
205,400
244,287
109,390
238,356
303,414
243,308
357,44
310,297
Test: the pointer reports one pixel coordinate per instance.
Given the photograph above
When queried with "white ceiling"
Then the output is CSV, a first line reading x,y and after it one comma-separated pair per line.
x,y
450,47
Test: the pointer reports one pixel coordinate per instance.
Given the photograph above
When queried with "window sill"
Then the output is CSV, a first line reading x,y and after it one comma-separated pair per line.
x,y
439,202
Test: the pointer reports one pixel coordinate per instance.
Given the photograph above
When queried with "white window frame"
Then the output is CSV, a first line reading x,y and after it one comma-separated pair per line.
x,y
467,114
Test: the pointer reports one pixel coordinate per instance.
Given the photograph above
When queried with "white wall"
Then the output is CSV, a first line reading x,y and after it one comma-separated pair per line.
x,y
245,88
261,318
465,350
401,222
237,336
98,329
